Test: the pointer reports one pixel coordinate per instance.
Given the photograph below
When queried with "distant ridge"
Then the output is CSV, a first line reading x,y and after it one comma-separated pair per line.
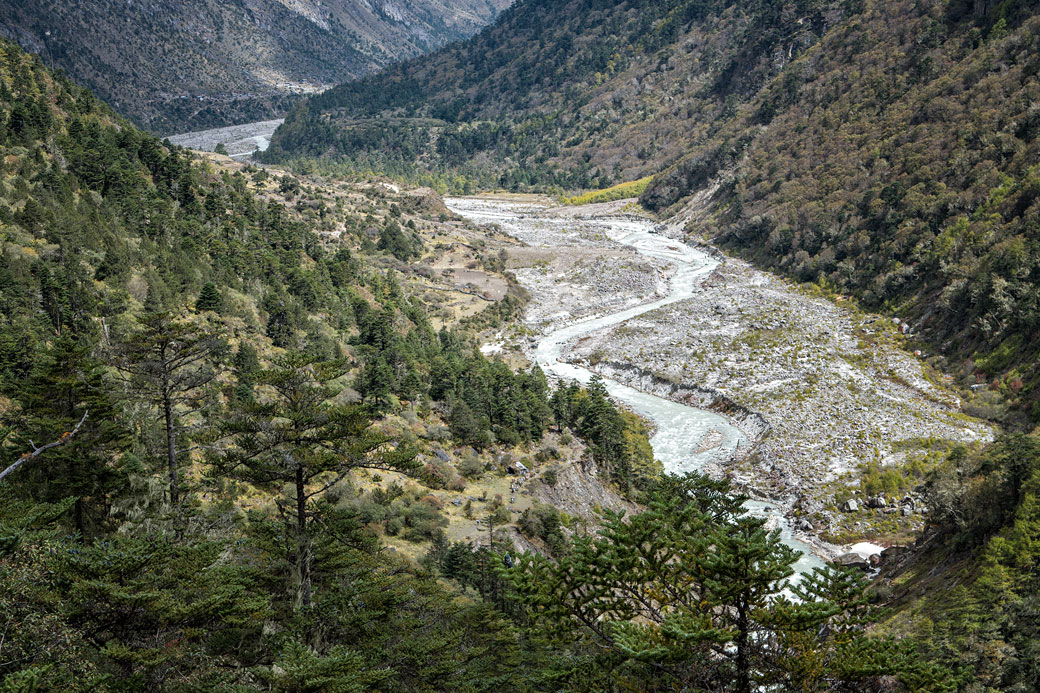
x,y
175,66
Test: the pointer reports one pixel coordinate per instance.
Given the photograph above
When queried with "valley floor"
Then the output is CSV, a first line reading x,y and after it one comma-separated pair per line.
x,y
839,389
239,140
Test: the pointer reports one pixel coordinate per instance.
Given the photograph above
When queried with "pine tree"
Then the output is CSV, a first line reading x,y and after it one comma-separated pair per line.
x,y
65,382
246,366
399,243
376,382
745,569
689,595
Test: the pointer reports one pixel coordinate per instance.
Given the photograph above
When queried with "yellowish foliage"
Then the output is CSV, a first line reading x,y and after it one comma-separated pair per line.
x,y
621,191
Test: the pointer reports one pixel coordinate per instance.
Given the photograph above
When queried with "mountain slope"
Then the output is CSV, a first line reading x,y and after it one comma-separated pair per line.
x,y
969,586
577,94
178,66
896,161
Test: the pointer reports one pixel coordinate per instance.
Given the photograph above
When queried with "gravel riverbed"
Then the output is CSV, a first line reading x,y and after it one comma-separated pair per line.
x,y
820,386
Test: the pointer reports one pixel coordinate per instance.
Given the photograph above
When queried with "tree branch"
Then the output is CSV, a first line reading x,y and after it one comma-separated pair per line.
x,y
65,437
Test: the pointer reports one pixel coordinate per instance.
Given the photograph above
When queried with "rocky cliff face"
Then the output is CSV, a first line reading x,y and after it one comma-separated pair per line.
x,y
177,66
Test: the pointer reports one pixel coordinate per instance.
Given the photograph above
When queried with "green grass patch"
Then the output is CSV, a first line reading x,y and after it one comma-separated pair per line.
x,y
620,191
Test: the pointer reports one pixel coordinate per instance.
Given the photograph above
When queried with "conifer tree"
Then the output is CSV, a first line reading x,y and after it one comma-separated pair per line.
x,y
65,382
297,436
209,298
401,244
690,595
168,363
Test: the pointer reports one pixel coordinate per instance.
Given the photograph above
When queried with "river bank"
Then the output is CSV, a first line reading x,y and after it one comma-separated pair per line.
x,y
240,141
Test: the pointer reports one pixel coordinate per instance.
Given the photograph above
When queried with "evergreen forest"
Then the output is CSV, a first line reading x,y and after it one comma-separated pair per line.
x,y
251,440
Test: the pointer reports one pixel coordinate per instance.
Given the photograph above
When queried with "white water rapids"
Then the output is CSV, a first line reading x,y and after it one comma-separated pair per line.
x,y
680,428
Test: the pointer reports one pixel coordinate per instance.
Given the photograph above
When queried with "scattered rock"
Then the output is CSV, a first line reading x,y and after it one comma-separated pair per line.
x,y
808,505
851,506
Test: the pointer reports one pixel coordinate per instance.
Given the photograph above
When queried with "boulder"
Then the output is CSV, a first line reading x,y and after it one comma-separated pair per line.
x,y
851,506
893,554
877,502
853,560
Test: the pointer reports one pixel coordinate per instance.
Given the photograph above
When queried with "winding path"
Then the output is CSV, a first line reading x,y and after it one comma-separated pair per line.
x,y
680,428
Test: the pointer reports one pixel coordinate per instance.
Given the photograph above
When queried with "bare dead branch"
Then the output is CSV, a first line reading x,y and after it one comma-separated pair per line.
x,y
65,437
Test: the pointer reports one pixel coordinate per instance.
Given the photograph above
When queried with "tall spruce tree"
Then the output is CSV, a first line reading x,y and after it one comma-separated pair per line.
x,y
297,436
209,298
168,363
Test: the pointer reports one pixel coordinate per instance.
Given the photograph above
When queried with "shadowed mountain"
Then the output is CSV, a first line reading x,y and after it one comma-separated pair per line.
x,y
178,66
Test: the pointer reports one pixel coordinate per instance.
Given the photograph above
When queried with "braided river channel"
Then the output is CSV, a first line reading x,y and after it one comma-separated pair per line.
x,y
681,430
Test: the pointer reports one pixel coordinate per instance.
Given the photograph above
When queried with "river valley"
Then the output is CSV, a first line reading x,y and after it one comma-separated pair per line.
x,y
614,295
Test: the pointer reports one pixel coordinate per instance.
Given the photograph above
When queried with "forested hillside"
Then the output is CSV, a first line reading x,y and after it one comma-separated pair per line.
x,y
971,585
570,95
180,66
224,400
912,185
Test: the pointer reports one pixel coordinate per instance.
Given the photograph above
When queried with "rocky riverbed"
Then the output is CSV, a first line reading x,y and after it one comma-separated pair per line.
x,y
823,389
836,387
239,140
570,266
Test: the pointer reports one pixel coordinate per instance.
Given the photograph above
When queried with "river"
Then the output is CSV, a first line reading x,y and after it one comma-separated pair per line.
x,y
680,429
239,140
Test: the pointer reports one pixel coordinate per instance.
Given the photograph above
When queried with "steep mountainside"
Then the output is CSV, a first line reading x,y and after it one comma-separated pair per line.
x,y
897,161
972,582
576,94
179,66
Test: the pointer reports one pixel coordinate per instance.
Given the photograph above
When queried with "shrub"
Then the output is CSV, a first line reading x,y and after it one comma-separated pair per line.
x,y
501,515
617,192
433,501
471,467
421,526
438,474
